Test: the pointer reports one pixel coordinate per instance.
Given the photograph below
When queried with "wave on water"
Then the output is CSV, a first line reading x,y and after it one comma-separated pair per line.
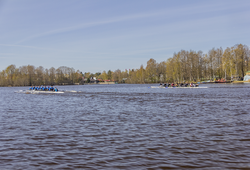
x,y
125,127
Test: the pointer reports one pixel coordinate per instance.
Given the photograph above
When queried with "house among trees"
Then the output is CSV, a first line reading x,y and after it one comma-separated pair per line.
x,y
91,80
247,76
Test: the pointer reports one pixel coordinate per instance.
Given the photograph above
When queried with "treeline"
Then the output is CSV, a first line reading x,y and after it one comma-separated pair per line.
x,y
193,66
217,64
189,66
30,75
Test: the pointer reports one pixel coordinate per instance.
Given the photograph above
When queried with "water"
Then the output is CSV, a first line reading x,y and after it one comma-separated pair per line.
x,y
126,127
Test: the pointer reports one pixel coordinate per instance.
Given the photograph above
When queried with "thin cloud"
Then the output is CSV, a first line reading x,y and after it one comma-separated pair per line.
x,y
117,54
6,54
25,46
32,47
190,27
165,12
86,25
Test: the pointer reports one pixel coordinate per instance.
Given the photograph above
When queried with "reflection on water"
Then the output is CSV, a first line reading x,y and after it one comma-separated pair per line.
x,y
126,127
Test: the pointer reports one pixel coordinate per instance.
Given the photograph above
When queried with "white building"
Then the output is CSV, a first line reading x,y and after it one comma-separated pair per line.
x,y
247,76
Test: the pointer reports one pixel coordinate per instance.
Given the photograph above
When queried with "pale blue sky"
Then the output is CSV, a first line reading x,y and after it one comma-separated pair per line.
x,y
98,35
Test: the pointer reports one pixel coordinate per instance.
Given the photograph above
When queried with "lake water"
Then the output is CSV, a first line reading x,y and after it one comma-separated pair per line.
x,y
126,127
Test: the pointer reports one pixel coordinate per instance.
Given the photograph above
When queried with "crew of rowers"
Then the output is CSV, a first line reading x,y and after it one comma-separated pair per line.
x,y
44,88
179,85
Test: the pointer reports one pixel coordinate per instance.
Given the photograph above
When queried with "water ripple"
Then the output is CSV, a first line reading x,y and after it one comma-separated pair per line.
x,y
126,127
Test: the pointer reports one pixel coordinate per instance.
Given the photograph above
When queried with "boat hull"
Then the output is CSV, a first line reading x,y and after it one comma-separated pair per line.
x,y
53,92
40,92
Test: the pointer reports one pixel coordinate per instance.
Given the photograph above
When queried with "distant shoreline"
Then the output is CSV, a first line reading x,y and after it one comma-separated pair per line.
x,y
112,83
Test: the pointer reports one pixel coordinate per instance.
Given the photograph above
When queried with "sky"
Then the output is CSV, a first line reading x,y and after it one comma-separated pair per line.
x,y
101,35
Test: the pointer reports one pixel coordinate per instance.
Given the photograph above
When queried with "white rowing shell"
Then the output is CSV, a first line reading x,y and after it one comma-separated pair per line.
x,y
37,92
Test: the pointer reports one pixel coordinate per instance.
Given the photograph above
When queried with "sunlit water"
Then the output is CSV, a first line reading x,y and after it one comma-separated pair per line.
x,y
126,127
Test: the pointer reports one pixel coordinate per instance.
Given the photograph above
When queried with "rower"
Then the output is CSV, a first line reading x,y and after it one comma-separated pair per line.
x,y
44,88
52,88
56,89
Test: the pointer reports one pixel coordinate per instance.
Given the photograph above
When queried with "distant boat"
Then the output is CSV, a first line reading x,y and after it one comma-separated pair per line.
x,y
216,81
222,81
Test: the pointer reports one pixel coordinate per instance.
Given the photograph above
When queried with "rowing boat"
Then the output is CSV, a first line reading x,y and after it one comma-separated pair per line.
x,y
39,92
34,91
177,87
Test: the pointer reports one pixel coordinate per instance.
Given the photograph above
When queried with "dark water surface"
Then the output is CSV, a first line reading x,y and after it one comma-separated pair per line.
x,y
126,127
